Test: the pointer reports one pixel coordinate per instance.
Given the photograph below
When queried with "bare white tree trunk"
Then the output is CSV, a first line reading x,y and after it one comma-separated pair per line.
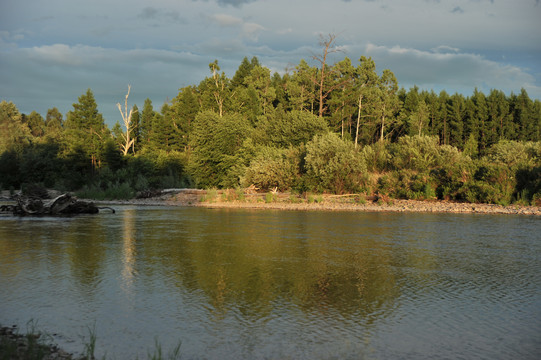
x,y
358,119
126,118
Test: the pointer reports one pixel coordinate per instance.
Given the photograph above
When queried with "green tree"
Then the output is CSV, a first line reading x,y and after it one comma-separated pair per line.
x,y
184,109
366,89
85,128
282,129
35,123
14,133
259,81
216,141
146,122
136,129
54,124
419,119
342,101
242,72
220,86
300,87
457,113
499,123
389,103
524,117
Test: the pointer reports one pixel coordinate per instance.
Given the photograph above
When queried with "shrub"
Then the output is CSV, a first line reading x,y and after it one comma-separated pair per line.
x,y
292,128
376,157
492,183
419,153
334,165
273,168
515,154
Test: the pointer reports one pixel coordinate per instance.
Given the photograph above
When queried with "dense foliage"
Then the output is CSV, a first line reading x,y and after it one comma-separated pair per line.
x,y
335,128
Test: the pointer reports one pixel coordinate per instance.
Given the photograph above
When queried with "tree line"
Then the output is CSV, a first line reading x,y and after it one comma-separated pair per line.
x,y
334,128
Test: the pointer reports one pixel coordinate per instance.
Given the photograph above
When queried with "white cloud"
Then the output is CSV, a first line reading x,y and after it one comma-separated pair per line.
x,y
226,20
453,71
252,30
57,54
48,60
445,49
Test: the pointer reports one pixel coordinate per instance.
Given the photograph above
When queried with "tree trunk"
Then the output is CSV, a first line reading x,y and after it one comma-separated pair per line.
x,y
358,119
382,123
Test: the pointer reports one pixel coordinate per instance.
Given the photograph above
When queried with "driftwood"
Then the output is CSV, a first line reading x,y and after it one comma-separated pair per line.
x,y
64,204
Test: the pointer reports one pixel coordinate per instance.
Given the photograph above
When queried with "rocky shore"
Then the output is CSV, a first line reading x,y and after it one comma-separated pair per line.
x,y
286,201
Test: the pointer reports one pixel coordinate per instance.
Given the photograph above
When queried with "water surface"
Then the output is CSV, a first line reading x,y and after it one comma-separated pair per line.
x,y
245,284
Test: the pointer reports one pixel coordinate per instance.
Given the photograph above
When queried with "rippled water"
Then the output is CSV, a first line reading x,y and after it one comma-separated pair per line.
x,y
239,284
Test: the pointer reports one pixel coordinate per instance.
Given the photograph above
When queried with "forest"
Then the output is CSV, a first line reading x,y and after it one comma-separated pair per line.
x,y
329,128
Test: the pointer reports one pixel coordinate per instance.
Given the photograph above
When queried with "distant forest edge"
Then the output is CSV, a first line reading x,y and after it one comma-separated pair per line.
x,y
340,128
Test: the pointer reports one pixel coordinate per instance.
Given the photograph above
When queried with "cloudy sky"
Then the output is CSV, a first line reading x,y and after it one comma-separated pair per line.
x,y
52,51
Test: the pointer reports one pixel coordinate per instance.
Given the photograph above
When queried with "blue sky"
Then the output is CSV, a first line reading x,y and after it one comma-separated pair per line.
x,y
52,51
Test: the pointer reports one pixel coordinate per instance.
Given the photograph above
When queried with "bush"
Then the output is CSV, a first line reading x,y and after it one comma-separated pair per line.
x,y
419,153
376,157
334,165
292,128
492,183
407,184
273,168
515,154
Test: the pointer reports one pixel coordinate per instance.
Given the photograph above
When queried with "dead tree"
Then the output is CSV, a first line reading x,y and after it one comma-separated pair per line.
x,y
328,44
126,118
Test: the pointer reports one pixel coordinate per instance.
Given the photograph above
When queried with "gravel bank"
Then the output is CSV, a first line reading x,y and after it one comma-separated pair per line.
x,y
190,197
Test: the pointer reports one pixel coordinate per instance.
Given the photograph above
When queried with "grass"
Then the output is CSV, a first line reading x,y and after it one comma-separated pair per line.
x,y
32,345
270,197
174,354
38,345
116,191
210,195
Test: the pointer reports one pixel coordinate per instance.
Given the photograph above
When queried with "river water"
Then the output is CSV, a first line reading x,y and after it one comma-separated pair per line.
x,y
244,284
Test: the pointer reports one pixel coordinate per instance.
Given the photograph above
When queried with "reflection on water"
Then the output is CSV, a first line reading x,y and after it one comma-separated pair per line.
x,y
129,250
268,284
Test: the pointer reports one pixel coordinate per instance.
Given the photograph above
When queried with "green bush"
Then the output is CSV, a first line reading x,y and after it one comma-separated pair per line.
x,y
273,168
419,153
515,154
334,165
376,157
492,183
284,129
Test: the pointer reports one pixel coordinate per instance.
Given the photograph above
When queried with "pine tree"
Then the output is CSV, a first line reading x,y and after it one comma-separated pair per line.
x,y
54,124
147,117
184,109
457,111
14,134
86,128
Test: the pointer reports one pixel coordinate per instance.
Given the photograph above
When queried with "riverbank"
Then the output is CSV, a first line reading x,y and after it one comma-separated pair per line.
x,y
286,201
323,202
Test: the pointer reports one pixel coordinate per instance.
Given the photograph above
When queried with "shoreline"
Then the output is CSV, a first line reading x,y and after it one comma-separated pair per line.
x,y
191,198
231,199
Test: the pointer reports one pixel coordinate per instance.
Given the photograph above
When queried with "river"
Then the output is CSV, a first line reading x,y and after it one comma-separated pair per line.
x,y
269,284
